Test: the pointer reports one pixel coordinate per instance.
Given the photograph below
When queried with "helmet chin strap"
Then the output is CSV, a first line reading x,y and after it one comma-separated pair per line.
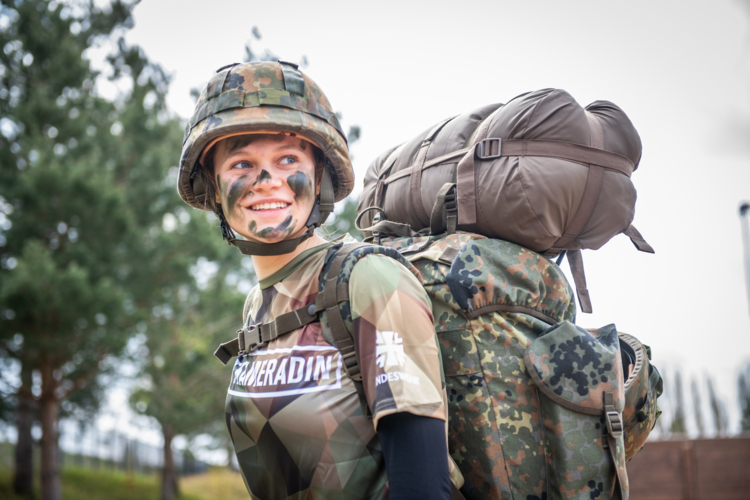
x,y
320,212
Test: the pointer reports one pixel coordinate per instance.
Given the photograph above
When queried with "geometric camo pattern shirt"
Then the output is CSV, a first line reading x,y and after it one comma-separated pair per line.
x,y
294,415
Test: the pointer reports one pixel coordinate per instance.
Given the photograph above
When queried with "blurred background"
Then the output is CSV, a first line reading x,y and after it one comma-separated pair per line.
x,y
114,293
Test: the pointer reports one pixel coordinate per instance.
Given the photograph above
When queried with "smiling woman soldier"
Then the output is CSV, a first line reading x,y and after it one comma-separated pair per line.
x,y
313,414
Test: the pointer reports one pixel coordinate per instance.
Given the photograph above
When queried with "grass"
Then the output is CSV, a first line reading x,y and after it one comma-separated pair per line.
x,y
86,484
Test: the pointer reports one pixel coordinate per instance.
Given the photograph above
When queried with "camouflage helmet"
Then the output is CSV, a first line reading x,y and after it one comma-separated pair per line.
x,y
263,96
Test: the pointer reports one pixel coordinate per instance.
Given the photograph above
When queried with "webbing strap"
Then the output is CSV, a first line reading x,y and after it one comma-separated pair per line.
x,y
465,178
280,248
227,351
387,166
614,431
444,215
579,278
440,160
582,215
590,191
415,185
641,244
342,338
391,227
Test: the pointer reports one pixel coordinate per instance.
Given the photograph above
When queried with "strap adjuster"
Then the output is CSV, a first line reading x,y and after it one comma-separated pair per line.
x,y
614,424
488,149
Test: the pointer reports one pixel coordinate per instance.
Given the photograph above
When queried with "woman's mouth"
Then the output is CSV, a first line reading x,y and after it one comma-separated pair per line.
x,y
276,205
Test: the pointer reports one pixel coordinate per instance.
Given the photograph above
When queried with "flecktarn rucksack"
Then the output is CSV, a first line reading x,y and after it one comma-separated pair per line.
x,y
493,303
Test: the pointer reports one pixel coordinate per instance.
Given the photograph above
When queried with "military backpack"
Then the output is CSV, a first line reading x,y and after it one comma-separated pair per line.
x,y
538,408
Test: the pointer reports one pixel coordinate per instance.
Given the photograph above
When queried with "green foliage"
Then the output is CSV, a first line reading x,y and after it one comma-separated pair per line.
x,y
67,187
343,221
678,416
743,390
96,245
83,484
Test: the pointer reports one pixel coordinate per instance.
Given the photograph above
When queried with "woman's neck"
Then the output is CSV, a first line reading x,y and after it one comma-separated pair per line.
x,y
266,265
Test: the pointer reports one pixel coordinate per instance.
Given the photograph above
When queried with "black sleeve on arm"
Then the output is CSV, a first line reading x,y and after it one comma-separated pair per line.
x,y
416,458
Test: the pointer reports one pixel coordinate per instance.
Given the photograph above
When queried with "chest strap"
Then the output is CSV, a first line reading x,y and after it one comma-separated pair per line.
x,y
251,337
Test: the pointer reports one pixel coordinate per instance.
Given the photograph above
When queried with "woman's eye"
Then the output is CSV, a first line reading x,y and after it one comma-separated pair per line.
x,y
288,160
242,164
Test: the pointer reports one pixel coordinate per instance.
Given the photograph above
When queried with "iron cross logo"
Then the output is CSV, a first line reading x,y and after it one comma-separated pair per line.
x,y
389,350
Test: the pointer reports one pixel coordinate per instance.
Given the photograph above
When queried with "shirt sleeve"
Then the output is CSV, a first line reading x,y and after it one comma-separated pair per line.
x,y
396,346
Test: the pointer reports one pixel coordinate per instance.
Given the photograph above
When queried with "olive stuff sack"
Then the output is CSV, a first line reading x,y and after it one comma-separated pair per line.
x,y
540,171
538,407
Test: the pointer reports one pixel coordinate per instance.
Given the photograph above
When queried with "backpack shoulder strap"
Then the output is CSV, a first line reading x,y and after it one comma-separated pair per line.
x,y
335,305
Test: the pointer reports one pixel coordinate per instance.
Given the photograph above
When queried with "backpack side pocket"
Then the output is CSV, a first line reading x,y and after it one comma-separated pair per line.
x,y
581,391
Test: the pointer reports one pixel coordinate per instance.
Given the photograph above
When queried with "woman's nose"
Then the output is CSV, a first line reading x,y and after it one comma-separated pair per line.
x,y
266,179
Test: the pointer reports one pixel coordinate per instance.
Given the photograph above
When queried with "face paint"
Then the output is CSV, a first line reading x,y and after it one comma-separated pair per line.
x,y
232,192
263,176
301,184
284,229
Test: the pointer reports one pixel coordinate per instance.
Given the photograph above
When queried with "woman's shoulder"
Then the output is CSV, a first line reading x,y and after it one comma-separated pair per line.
x,y
251,298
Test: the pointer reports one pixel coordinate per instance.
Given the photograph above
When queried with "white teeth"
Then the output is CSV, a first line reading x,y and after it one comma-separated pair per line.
x,y
269,206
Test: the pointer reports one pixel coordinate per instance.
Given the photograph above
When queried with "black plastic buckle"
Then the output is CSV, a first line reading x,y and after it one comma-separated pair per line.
x,y
614,424
485,148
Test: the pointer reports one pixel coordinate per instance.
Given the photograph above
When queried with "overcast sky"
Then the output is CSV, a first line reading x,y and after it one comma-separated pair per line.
x,y
679,69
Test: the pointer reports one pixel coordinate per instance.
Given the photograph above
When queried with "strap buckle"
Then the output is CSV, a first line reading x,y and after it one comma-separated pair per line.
x,y
351,366
614,424
249,338
488,149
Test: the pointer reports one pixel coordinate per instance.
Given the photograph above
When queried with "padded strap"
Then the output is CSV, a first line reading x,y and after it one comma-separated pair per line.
x,y
387,166
343,339
579,278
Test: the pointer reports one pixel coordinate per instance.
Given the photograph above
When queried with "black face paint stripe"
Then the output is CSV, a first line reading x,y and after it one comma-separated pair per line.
x,y
301,184
263,176
285,227
236,191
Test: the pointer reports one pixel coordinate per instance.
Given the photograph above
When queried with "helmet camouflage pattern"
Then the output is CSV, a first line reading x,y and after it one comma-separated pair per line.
x,y
263,96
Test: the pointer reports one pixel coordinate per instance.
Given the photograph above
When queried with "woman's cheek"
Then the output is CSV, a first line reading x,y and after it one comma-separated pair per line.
x,y
301,185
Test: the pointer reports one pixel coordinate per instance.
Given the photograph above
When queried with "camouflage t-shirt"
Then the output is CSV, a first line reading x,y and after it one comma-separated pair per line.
x,y
294,415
